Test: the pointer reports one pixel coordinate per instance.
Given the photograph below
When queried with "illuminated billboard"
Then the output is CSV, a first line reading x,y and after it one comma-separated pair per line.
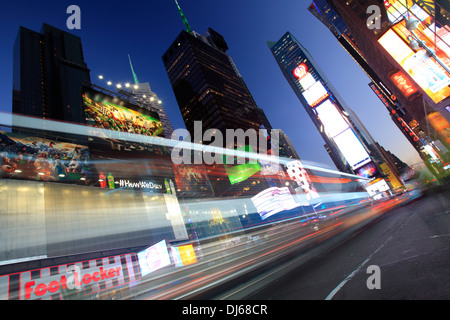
x,y
441,125
240,172
183,255
297,172
272,201
33,158
191,178
395,183
307,81
352,149
403,83
111,113
332,119
397,9
300,71
369,170
424,70
68,281
315,94
154,258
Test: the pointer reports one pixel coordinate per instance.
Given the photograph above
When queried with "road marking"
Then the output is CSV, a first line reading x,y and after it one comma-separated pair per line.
x,y
351,275
439,235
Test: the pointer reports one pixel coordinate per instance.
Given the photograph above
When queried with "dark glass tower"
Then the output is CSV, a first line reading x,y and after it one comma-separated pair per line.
x,y
208,86
48,70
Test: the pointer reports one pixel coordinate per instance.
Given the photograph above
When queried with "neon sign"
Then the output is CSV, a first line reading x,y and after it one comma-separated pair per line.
x,y
403,84
301,71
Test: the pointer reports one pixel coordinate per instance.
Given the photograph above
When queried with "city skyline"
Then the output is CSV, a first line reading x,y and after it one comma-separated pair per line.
x,y
246,28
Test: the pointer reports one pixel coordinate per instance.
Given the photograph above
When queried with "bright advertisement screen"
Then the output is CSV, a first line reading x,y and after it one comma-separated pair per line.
x,y
111,113
154,258
315,94
273,200
331,118
307,81
369,170
240,172
183,255
33,158
351,148
441,125
425,71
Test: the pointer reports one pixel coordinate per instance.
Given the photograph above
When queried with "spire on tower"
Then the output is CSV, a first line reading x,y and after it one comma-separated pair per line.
x,y
136,81
186,23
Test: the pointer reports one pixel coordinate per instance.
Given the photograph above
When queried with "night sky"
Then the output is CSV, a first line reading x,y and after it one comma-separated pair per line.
x,y
110,30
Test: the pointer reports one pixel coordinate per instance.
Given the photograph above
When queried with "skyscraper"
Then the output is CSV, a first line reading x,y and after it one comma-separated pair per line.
x,y
207,85
348,143
209,88
145,97
48,71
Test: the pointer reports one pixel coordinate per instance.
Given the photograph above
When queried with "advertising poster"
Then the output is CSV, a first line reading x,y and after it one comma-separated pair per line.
x,y
240,172
154,258
441,125
392,177
272,201
297,172
191,178
111,113
183,255
352,149
70,281
424,70
368,171
34,158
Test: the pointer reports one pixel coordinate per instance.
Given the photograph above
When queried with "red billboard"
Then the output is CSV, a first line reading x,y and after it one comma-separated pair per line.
x,y
69,281
403,83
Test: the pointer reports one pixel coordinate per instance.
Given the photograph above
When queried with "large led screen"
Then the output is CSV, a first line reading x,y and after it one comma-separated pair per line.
x,y
315,94
240,172
104,111
272,201
183,255
33,158
307,81
331,118
369,170
352,149
425,71
154,258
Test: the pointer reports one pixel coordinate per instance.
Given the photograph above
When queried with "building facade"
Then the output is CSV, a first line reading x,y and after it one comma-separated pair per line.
x,y
208,86
348,143
407,52
48,72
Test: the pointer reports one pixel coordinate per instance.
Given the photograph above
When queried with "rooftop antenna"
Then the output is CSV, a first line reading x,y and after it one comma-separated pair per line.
x,y
186,23
136,81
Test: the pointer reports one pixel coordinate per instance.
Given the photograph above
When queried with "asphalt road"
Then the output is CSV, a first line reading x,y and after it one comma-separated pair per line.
x,y
404,256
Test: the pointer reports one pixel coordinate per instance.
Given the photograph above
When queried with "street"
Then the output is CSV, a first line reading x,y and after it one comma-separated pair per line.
x,y
410,245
